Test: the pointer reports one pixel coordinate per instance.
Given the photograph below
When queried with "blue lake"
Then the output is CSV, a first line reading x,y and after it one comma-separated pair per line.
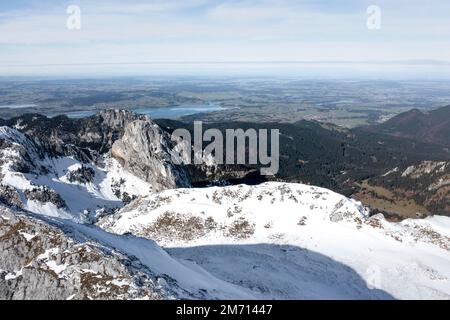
x,y
17,106
156,113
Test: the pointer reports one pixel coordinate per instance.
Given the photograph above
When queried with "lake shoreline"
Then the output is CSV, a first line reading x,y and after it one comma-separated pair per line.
x,y
174,112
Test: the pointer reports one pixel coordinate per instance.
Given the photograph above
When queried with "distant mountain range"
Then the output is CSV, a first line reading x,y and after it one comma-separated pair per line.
x,y
412,188
432,127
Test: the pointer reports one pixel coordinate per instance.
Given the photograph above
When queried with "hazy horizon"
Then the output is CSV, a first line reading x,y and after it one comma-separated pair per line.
x,y
323,38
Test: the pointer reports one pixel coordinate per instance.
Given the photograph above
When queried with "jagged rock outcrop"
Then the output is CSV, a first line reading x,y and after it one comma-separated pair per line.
x,y
10,197
45,195
81,175
19,151
144,150
57,259
140,144
38,261
64,167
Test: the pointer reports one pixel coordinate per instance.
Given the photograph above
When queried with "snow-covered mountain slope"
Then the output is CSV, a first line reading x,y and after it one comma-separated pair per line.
x,y
40,261
274,241
295,241
84,168
63,186
139,144
51,258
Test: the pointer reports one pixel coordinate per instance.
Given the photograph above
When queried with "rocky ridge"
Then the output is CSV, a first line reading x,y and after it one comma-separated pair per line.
x,y
273,238
40,262
114,157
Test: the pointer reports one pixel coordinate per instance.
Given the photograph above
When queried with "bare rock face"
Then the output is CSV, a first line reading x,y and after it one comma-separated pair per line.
x,y
84,138
100,131
10,197
45,195
39,261
135,140
144,150
81,175
19,150
75,167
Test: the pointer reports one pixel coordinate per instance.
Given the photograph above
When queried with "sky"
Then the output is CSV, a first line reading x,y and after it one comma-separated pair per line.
x,y
139,36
